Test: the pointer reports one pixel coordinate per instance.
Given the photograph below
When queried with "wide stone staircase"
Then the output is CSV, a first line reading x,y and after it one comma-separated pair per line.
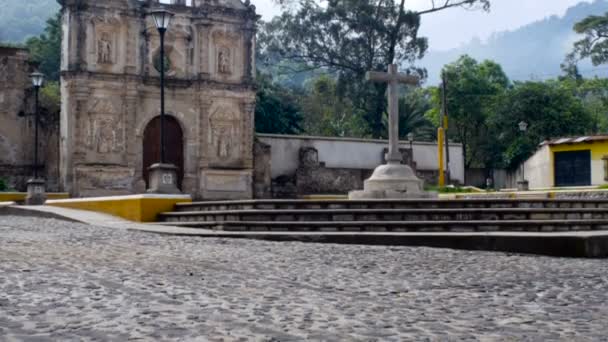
x,y
428,215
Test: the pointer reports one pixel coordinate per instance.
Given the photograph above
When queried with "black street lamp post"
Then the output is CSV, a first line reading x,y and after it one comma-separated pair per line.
x,y
163,176
36,193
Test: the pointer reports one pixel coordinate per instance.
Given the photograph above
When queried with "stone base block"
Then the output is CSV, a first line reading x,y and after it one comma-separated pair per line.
x,y
226,184
163,179
36,192
392,181
523,186
388,194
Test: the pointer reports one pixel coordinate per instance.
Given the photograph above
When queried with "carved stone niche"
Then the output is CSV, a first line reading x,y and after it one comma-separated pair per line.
x,y
105,42
224,145
225,49
105,133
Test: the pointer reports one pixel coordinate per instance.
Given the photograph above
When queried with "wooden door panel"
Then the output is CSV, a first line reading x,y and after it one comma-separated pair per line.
x,y
174,150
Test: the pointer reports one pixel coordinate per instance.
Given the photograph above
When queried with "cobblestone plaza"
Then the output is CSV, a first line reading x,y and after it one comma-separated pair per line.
x,y
64,281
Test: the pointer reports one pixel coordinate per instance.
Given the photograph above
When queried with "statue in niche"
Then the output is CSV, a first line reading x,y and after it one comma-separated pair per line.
x,y
223,142
223,61
104,49
105,139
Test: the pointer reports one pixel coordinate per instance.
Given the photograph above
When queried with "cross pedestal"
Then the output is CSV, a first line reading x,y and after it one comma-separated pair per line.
x,y
392,180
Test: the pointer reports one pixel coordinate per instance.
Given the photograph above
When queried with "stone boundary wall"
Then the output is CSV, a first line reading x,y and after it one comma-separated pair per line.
x,y
293,166
350,153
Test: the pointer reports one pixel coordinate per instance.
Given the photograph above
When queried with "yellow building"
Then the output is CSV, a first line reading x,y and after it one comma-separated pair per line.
x,y
564,162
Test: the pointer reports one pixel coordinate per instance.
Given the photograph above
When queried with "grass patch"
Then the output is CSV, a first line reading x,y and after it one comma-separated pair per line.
x,y
603,187
449,189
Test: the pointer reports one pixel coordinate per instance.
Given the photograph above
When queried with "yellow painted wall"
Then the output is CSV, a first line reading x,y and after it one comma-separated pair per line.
x,y
598,149
20,196
139,208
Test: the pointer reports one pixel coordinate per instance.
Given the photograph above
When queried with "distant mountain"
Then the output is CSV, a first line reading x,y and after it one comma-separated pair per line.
x,y
21,19
534,51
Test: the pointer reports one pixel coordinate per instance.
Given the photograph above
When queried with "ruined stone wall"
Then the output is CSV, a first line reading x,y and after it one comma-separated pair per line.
x,y
17,125
110,93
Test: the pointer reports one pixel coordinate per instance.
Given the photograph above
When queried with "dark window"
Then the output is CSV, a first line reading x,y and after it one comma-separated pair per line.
x,y
573,168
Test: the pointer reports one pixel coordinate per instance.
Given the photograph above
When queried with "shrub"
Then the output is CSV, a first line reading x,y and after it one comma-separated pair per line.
x,y
3,185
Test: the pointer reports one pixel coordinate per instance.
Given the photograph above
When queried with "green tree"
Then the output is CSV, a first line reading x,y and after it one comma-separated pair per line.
x,y
471,94
328,113
413,106
594,45
276,109
351,37
550,110
46,48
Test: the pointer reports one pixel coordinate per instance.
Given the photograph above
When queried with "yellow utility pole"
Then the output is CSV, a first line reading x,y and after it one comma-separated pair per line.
x,y
440,154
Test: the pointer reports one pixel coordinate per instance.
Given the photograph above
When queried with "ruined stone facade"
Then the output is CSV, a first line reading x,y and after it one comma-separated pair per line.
x,y
111,95
17,125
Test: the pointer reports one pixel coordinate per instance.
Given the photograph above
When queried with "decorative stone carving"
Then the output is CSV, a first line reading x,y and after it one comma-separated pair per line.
x,y
223,61
224,134
225,43
104,129
104,49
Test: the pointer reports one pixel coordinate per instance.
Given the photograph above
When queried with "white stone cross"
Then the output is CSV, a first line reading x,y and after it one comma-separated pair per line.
x,y
393,78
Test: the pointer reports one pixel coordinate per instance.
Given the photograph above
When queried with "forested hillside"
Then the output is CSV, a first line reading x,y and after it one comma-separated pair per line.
x,y
21,19
534,51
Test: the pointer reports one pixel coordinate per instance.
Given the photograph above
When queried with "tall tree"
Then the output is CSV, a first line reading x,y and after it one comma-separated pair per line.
x,y
328,113
46,48
550,110
276,109
472,90
351,37
594,45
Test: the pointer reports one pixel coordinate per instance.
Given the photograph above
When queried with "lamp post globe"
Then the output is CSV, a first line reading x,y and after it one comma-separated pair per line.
x,y
163,176
36,186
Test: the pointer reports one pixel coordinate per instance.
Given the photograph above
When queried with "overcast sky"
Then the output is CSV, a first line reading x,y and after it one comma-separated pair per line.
x,y
452,27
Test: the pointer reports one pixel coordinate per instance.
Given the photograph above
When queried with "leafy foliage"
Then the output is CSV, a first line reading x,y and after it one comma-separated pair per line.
x,y
595,43
472,90
413,107
46,48
550,109
328,113
3,186
351,37
276,109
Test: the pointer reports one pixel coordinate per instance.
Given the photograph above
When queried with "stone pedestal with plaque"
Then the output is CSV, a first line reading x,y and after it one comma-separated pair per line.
x,y
36,192
163,179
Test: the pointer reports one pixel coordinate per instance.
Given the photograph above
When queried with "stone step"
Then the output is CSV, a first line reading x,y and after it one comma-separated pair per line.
x,y
391,204
449,214
403,226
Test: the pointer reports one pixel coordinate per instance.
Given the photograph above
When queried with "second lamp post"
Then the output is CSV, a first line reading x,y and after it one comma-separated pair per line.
x,y
36,193
163,176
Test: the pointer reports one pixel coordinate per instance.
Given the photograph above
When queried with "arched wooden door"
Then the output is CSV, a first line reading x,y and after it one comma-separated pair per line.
x,y
174,150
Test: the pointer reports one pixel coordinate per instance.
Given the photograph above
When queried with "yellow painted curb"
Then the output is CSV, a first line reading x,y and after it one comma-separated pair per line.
x,y
20,196
138,208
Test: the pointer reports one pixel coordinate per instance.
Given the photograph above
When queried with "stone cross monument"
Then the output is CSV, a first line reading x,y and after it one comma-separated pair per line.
x,y
392,180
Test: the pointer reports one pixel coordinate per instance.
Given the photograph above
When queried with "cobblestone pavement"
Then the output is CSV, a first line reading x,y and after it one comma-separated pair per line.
x,y
71,282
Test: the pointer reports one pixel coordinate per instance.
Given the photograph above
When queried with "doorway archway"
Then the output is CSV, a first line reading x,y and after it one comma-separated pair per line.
x,y
174,150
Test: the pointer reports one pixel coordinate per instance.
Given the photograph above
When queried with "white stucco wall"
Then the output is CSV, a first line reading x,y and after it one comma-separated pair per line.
x,y
352,153
539,169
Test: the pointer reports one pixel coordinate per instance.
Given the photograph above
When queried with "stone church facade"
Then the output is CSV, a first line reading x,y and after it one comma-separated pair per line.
x,y
111,96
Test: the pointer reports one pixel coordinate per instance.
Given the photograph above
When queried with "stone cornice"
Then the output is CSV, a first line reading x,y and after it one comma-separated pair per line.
x,y
152,80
